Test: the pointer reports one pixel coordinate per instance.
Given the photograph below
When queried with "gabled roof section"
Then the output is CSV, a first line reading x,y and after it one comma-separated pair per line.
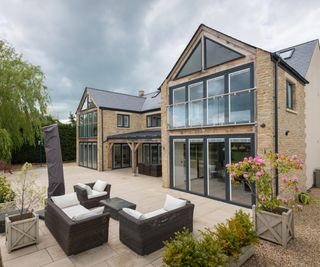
x,y
299,56
125,102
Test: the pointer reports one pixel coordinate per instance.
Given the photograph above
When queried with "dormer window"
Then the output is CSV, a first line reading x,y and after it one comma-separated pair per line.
x,y
286,54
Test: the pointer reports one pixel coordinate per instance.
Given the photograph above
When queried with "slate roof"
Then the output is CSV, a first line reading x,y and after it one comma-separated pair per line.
x,y
301,57
147,134
119,101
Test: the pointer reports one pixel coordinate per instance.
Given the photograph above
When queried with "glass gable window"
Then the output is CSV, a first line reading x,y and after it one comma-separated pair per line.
x,y
193,63
123,121
290,96
195,104
88,125
216,106
217,54
87,103
154,120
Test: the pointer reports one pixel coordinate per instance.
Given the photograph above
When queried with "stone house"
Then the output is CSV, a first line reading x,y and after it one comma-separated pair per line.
x,y
223,100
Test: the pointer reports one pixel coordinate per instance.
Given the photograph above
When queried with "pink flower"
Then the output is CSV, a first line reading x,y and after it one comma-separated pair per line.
x,y
259,173
296,188
245,175
284,179
228,165
299,206
295,179
232,174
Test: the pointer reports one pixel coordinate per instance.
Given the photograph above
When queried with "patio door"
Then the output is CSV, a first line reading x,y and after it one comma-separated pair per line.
x,y
121,156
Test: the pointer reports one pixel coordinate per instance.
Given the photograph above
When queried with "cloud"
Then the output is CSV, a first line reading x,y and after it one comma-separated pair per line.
x,y
130,45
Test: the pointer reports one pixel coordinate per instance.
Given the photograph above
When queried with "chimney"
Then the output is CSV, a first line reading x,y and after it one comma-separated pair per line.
x,y
141,92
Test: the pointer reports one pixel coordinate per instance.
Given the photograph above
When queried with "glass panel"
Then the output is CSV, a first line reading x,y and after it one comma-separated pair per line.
x,y
116,156
145,154
240,80
216,110
196,166
160,154
125,121
195,107
178,115
240,107
216,168
193,63
154,154
85,154
90,155
125,156
81,154
94,124
240,148
85,133
119,120
179,164
89,124
215,86
94,155
217,54
178,95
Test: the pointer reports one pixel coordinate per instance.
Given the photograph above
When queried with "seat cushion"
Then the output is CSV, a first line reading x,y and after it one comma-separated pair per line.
x,y
74,211
100,186
172,203
87,187
88,214
153,213
95,193
134,213
66,200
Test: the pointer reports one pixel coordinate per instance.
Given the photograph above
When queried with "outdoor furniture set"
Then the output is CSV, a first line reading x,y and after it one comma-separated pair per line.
x,y
80,220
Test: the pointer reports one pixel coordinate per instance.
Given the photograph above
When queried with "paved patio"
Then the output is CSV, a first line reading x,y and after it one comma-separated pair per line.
x,y
145,191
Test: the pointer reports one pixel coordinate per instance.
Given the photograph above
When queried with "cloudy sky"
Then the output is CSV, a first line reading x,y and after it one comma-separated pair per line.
x,y
127,45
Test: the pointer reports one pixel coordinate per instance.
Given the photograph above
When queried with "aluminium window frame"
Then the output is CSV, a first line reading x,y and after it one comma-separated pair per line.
x,y
122,120
157,115
290,100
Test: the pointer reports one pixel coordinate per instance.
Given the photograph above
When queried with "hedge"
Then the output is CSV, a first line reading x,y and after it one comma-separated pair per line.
x,y
28,153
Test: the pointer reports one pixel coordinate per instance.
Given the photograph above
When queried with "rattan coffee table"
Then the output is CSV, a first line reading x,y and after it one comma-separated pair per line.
x,y
115,204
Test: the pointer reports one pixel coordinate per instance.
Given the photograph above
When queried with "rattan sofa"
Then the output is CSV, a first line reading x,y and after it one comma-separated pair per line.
x,y
76,236
146,236
90,202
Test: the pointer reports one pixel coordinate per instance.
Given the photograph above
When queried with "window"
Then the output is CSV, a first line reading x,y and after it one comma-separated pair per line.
x,y
216,105
154,120
87,103
179,109
216,54
193,63
123,120
151,154
290,95
196,104
88,125
286,54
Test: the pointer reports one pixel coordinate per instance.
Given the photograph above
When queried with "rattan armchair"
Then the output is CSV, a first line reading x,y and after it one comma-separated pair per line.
x,y
76,236
146,236
90,202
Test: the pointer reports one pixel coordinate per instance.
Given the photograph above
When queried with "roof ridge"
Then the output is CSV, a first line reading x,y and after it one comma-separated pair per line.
x,y
113,92
293,46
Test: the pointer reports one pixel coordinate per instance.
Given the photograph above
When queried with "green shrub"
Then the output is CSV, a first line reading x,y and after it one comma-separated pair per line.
x,y
6,192
236,233
304,198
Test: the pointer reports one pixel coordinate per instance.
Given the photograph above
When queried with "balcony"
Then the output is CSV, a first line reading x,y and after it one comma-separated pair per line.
x,y
219,110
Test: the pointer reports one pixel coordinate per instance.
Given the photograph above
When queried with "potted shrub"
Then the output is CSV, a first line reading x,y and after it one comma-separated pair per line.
x,y
273,215
229,244
23,229
7,195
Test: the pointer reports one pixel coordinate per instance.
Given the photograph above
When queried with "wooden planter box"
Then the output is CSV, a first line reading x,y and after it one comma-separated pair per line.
x,y
7,206
274,227
21,233
247,253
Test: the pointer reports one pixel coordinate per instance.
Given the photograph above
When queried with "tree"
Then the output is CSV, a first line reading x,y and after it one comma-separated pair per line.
x,y
72,119
23,100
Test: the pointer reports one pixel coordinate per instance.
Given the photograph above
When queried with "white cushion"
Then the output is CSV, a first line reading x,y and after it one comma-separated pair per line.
x,y
87,187
88,214
134,213
95,193
66,200
153,213
173,203
99,185
74,211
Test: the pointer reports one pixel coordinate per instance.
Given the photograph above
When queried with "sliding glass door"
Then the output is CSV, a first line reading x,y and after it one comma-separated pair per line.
x,y
216,168
88,154
198,165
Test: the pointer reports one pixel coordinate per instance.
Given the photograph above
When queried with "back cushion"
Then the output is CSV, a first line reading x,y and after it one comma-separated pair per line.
x,y
134,213
99,185
88,214
66,200
172,203
87,187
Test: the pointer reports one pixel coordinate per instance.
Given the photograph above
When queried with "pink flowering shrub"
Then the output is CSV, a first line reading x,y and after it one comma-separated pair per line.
x,y
258,174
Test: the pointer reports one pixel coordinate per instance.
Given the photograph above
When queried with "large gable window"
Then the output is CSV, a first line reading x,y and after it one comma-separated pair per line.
x,y
88,125
87,103
212,54
193,63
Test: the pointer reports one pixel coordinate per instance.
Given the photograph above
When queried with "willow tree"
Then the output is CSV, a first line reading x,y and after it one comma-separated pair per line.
x,y
23,101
